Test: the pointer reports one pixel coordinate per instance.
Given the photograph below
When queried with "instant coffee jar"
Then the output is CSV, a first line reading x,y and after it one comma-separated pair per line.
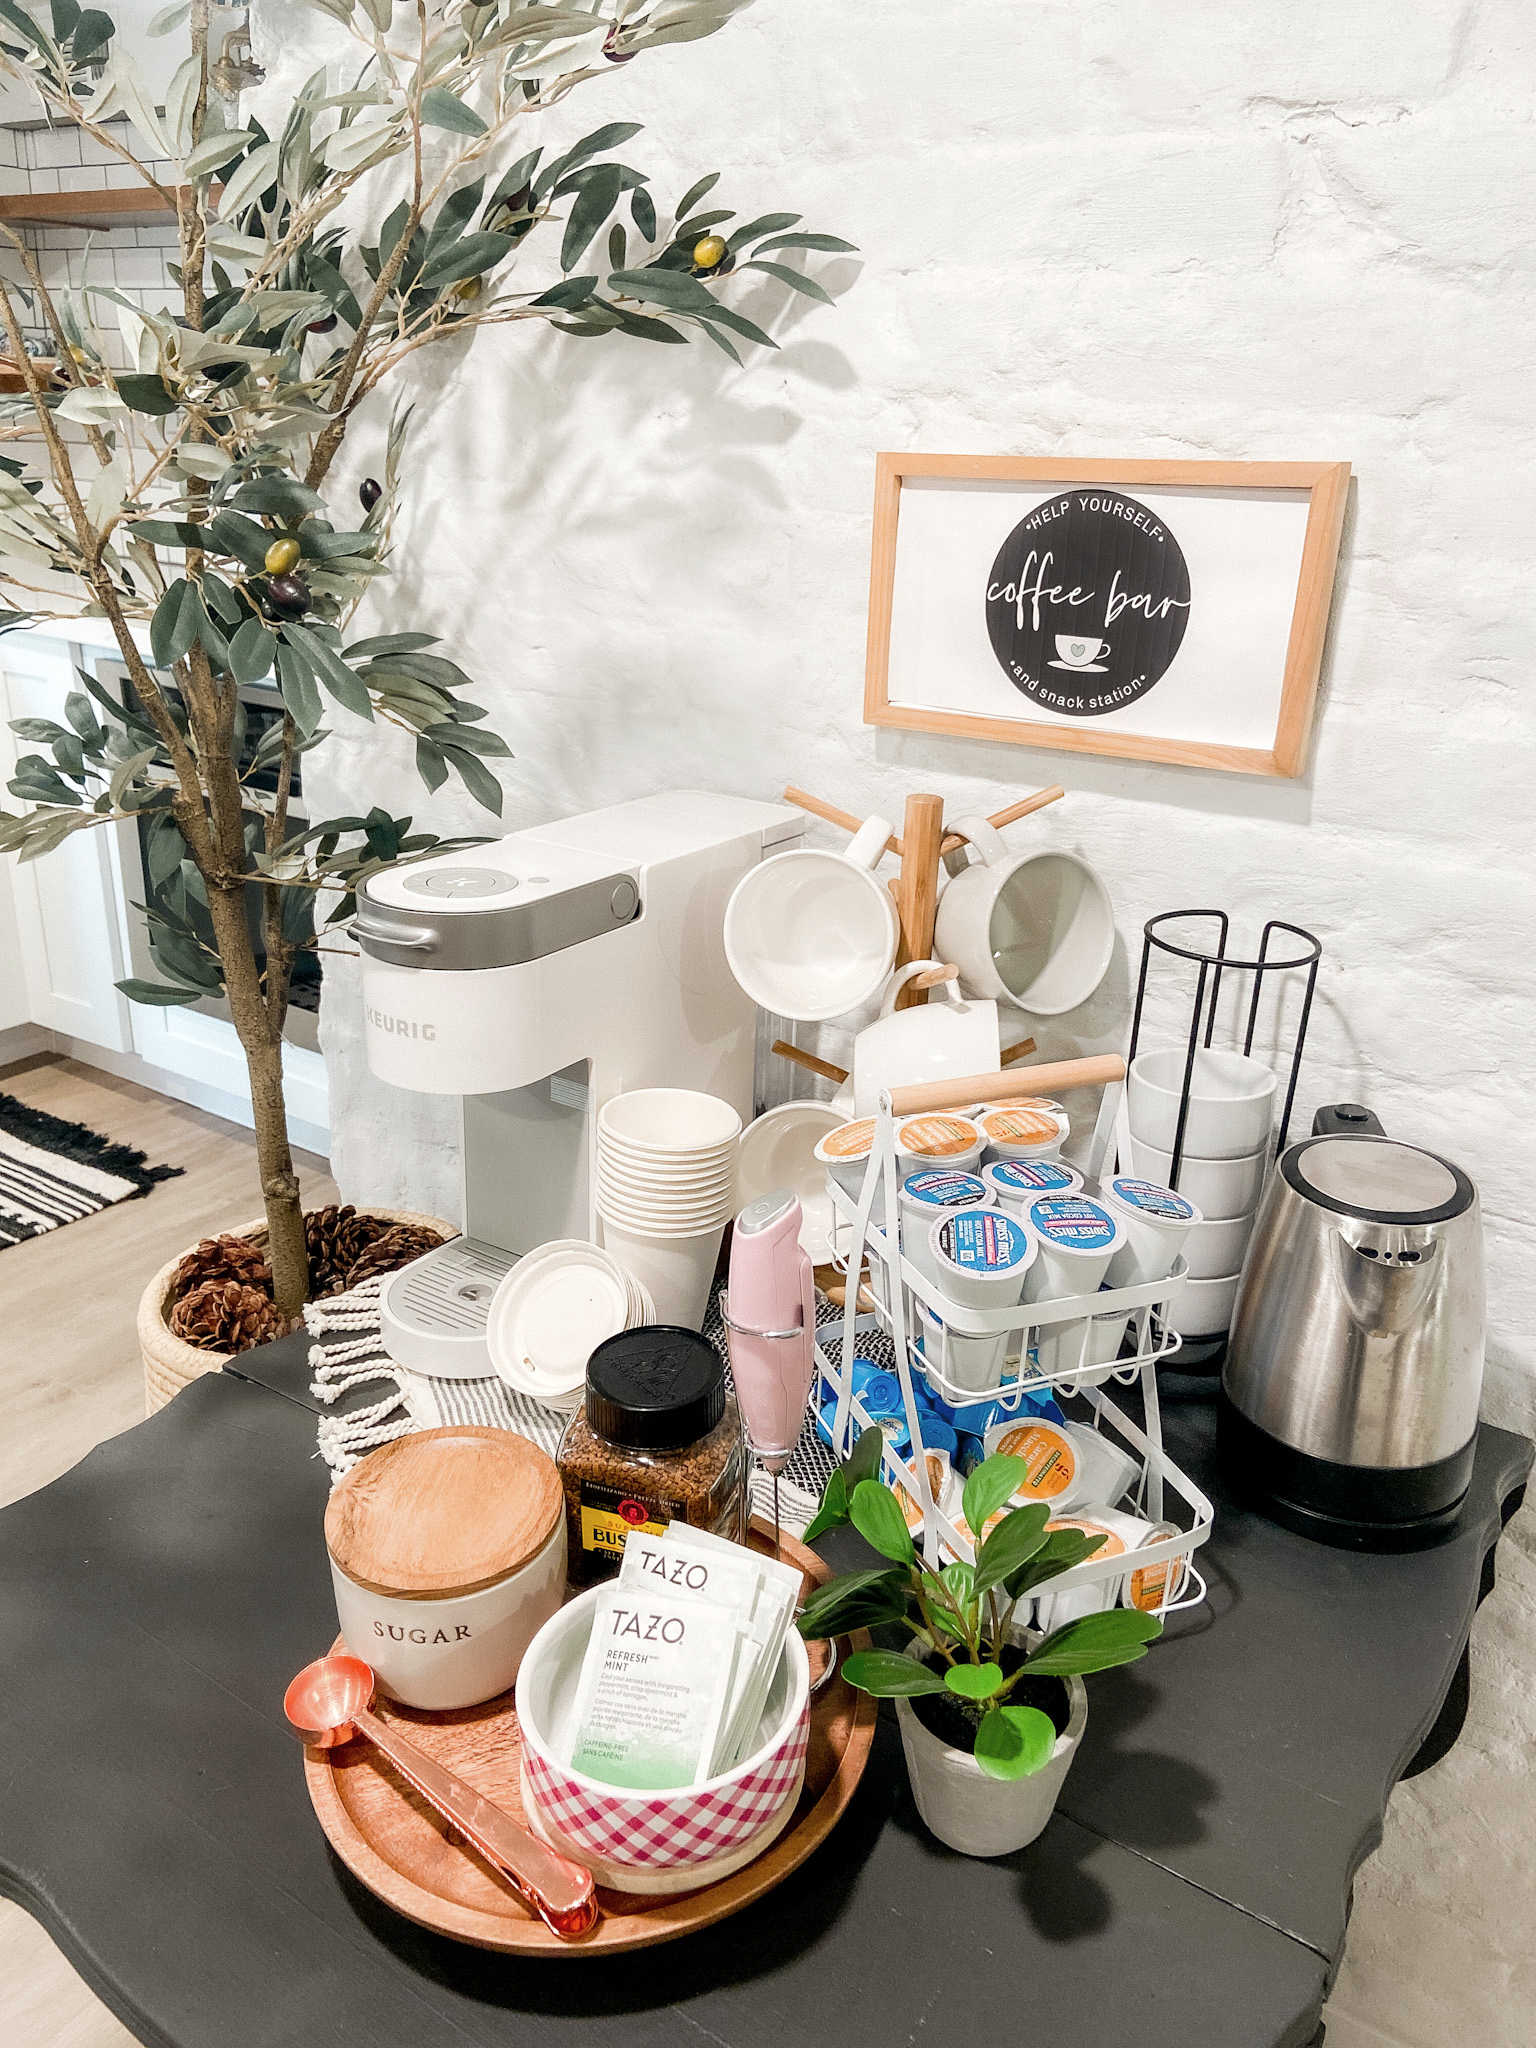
x,y
447,1554
657,1439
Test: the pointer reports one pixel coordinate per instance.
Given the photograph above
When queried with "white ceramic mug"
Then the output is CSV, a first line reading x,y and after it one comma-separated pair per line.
x,y
1231,1102
933,1041
1035,929
1217,1187
810,934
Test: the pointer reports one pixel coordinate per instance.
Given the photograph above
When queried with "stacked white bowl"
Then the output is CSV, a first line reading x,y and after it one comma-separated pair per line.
x,y
666,1188
1224,1160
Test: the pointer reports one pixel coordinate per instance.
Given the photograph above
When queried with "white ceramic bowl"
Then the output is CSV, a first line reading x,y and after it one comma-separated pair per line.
x,y
779,1151
1217,1187
1216,1246
1231,1101
1203,1308
674,1122
654,1835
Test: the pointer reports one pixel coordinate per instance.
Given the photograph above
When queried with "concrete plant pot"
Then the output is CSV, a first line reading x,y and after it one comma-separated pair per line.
x,y
978,1815
169,1363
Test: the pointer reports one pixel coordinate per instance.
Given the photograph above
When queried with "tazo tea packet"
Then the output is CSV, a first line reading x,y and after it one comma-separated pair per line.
x,y
653,1690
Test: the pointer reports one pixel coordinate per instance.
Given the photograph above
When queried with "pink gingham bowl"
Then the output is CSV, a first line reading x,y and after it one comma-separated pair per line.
x,y
654,1841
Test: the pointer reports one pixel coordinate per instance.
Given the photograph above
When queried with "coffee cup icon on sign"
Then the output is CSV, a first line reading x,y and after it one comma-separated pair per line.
x,y
1074,651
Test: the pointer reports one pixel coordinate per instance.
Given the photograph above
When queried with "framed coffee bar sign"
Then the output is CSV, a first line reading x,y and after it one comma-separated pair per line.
x,y
1166,611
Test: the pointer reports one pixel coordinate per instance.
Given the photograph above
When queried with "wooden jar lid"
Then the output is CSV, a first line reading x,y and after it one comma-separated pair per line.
x,y
443,1512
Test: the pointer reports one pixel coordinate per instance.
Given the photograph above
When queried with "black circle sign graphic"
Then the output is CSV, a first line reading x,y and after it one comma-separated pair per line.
x,y
1087,602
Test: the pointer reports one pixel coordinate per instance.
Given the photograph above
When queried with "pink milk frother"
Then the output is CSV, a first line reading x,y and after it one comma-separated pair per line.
x,y
770,1313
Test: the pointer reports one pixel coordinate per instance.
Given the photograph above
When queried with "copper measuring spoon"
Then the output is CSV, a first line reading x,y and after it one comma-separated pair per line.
x,y
330,1701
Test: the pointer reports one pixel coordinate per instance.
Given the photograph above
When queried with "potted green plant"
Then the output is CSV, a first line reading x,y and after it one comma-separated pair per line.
x,y
990,1717
191,499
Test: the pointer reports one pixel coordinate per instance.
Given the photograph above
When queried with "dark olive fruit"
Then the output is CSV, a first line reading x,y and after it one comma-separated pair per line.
x,y
611,50
370,490
323,325
288,595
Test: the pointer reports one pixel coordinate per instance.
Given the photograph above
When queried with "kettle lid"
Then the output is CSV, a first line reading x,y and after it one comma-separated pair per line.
x,y
1377,1179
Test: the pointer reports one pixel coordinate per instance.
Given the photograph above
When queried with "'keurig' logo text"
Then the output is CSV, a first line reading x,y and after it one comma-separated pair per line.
x,y
1087,602
399,1027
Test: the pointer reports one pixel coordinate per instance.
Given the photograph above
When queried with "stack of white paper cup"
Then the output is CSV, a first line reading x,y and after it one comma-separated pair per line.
x,y
982,1259
666,1188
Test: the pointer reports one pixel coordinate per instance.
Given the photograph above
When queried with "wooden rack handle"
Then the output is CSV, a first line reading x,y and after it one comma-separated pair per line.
x,y
808,1060
932,977
1051,1079
1021,1051
803,801
1010,816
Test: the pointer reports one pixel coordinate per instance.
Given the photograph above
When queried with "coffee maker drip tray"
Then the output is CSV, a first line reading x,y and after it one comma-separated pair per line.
x,y
433,1312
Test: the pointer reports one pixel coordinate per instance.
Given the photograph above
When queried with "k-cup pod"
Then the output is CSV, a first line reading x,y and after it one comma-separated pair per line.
x,y
1016,1182
980,1257
1151,1586
923,1199
845,1155
1017,1132
973,1364
943,1484
1156,1222
1073,1347
1122,1534
937,1139
1066,1463
1077,1240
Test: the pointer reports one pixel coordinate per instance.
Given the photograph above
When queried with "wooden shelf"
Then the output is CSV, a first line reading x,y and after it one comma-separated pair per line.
x,y
113,206
11,380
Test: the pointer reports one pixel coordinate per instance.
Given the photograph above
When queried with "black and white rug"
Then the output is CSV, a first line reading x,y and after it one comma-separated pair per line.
x,y
53,1172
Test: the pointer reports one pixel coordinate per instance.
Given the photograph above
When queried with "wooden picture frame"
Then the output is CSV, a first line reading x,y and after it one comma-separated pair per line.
x,y
1278,643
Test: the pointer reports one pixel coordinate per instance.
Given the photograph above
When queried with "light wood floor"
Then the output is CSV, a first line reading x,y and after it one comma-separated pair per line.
x,y
70,1376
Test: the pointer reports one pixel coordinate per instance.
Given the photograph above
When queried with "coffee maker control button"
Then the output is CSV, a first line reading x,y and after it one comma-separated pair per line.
x,y
625,901
460,882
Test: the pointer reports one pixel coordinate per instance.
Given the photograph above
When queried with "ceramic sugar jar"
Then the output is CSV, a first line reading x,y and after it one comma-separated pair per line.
x,y
447,1554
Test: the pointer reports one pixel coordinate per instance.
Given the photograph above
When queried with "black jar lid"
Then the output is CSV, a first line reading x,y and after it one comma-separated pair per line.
x,y
655,1388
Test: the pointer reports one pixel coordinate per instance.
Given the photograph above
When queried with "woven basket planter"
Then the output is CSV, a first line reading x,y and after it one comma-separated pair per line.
x,y
170,1364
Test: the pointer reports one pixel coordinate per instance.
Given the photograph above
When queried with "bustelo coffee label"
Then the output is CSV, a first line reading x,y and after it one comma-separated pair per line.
x,y
1087,602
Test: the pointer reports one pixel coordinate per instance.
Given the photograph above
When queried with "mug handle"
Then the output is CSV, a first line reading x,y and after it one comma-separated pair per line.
x,y
867,845
985,837
903,975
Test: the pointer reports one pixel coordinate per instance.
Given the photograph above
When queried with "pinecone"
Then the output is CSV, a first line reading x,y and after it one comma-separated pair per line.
x,y
227,1257
398,1245
221,1315
336,1237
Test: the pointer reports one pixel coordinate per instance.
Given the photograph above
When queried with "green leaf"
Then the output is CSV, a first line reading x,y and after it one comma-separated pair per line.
x,y
249,180
1015,1742
571,291
740,324
1061,1549
644,328
1097,1642
159,993
610,137
1010,1545
874,1512
93,31
674,289
833,244
694,194
145,394
301,694
174,626
595,201
443,109
889,1675
974,1681
863,1461
854,1600
214,151
77,709
476,778
795,279
832,1512
468,257
344,684
960,1583
642,210
389,643
765,224
992,1485
475,739
283,495
240,537
65,14
430,765
167,533
251,652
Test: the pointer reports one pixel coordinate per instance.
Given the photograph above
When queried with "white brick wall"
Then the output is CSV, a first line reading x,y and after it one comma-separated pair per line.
x,y
1099,230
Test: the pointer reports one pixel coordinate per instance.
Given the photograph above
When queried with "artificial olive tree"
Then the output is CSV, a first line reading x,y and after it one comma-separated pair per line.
x,y
184,500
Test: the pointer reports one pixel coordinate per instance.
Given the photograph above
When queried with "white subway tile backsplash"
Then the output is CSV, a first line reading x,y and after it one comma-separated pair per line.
x,y
44,181
53,148
140,267
122,175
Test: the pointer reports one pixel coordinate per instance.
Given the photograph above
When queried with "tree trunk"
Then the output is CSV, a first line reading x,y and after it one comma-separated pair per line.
x,y
262,1039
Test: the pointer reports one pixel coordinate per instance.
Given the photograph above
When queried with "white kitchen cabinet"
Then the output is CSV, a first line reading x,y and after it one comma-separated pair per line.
x,y
65,905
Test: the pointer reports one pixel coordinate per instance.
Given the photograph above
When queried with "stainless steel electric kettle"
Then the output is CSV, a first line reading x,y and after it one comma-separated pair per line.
x,y
1351,1383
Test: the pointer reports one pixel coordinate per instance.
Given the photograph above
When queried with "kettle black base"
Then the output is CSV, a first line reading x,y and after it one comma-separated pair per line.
x,y
1355,1507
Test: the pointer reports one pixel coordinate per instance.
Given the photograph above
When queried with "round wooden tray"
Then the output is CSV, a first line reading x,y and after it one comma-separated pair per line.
x,y
396,1845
